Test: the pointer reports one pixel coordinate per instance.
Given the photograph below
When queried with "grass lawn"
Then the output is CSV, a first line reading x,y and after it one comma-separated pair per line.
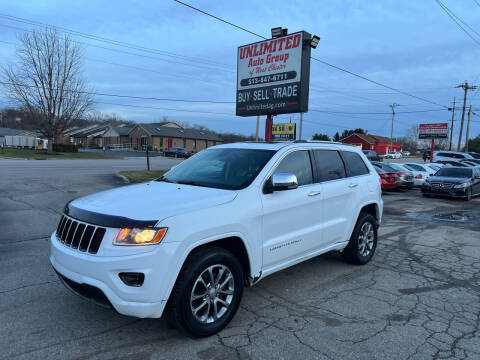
x,y
142,175
32,154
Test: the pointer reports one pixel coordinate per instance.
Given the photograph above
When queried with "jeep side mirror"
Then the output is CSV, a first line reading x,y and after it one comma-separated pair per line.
x,y
284,181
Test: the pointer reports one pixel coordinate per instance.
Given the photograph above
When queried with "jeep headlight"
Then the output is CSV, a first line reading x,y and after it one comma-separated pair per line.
x,y
461,186
136,236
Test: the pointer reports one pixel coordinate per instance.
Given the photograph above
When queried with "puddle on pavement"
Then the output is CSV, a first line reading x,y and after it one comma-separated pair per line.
x,y
455,216
461,216
412,215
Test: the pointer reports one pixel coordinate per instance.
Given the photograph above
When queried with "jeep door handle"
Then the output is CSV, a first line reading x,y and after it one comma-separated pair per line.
x,y
314,193
352,185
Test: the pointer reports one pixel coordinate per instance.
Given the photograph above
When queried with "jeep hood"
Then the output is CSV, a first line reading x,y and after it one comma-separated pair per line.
x,y
145,203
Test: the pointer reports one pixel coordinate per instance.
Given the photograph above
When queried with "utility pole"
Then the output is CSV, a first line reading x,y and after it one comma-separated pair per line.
x,y
467,134
258,124
451,127
465,87
301,127
393,106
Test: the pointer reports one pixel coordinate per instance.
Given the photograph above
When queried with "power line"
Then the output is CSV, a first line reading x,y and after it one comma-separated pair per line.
x,y
374,113
126,96
459,19
220,19
215,17
162,108
316,59
476,2
454,18
109,41
176,76
132,53
378,83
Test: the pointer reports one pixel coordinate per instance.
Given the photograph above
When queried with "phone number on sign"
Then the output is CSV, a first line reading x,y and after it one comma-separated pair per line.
x,y
269,78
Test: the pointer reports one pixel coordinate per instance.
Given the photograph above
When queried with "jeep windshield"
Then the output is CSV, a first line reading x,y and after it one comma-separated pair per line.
x,y
224,168
454,172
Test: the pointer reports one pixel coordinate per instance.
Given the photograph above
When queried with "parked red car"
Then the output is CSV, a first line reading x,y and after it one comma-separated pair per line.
x,y
387,179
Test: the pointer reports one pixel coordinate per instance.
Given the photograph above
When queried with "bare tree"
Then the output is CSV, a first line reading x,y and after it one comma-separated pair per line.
x,y
47,81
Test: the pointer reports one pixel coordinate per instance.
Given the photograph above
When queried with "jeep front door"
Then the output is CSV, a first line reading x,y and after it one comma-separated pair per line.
x,y
291,218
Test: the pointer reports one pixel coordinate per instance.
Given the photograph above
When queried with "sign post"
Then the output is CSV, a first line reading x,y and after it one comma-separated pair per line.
x,y
268,128
273,77
433,131
432,147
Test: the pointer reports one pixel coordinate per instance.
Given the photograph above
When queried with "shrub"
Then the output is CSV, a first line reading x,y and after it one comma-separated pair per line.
x,y
64,148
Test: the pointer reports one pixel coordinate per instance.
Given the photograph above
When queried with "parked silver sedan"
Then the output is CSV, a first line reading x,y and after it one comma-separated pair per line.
x,y
403,177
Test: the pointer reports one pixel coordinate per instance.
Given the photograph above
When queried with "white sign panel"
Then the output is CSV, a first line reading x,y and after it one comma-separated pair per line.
x,y
269,76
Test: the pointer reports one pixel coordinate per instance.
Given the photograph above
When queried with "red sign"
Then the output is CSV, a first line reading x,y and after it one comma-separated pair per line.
x,y
433,131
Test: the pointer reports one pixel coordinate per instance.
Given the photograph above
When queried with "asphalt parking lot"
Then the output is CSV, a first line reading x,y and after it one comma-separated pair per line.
x,y
418,299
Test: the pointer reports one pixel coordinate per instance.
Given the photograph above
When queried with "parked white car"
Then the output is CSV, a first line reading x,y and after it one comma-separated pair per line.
x,y
423,168
450,155
434,166
420,173
393,155
187,243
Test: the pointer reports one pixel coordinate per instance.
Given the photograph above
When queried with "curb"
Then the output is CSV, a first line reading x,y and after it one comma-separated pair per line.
x,y
122,177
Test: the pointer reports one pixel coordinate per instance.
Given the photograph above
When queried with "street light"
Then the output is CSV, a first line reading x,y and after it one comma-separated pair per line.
x,y
314,41
279,31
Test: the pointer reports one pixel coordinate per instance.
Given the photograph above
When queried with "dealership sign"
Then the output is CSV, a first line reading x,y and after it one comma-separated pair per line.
x,y
273,76
285,131
433,131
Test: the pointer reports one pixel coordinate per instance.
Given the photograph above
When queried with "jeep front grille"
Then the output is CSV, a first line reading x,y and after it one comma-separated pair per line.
x,y
78,235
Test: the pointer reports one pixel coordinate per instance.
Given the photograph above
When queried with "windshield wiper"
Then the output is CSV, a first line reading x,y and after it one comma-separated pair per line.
x,y
164,179
190,182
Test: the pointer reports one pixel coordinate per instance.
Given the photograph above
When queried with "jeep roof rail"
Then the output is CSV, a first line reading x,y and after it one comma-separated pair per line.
x,y
319,141
295,142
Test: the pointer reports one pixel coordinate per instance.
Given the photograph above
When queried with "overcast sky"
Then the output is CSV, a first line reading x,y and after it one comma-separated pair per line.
x,y
409,45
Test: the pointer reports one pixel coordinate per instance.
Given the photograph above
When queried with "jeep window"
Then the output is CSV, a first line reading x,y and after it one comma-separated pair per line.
x,y
297,163
354,163
329,164
227,168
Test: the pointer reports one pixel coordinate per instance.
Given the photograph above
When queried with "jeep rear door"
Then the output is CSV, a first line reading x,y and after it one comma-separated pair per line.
x,y
339,195
292,219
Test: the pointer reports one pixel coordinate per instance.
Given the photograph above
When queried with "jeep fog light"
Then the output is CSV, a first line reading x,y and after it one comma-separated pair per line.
x,y
135,236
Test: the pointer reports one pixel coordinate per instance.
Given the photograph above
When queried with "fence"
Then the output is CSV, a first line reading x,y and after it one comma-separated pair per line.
x,y
21,141
123,146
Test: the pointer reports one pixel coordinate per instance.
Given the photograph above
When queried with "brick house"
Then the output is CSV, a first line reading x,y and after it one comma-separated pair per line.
x,y
92,138
379,144
117,137
162,136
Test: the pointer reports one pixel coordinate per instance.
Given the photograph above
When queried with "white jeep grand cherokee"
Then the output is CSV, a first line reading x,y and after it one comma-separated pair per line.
x,y
186,244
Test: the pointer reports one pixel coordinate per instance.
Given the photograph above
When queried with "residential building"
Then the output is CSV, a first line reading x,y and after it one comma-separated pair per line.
x,y
18,138
90,138
162,136
116,137
68,136
380,144
16,132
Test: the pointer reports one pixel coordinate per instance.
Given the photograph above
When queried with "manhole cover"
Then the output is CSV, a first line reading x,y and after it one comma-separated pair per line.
x,y
460,216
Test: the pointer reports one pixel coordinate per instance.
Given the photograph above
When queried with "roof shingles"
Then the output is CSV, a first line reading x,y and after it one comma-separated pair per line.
x,y
165,131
